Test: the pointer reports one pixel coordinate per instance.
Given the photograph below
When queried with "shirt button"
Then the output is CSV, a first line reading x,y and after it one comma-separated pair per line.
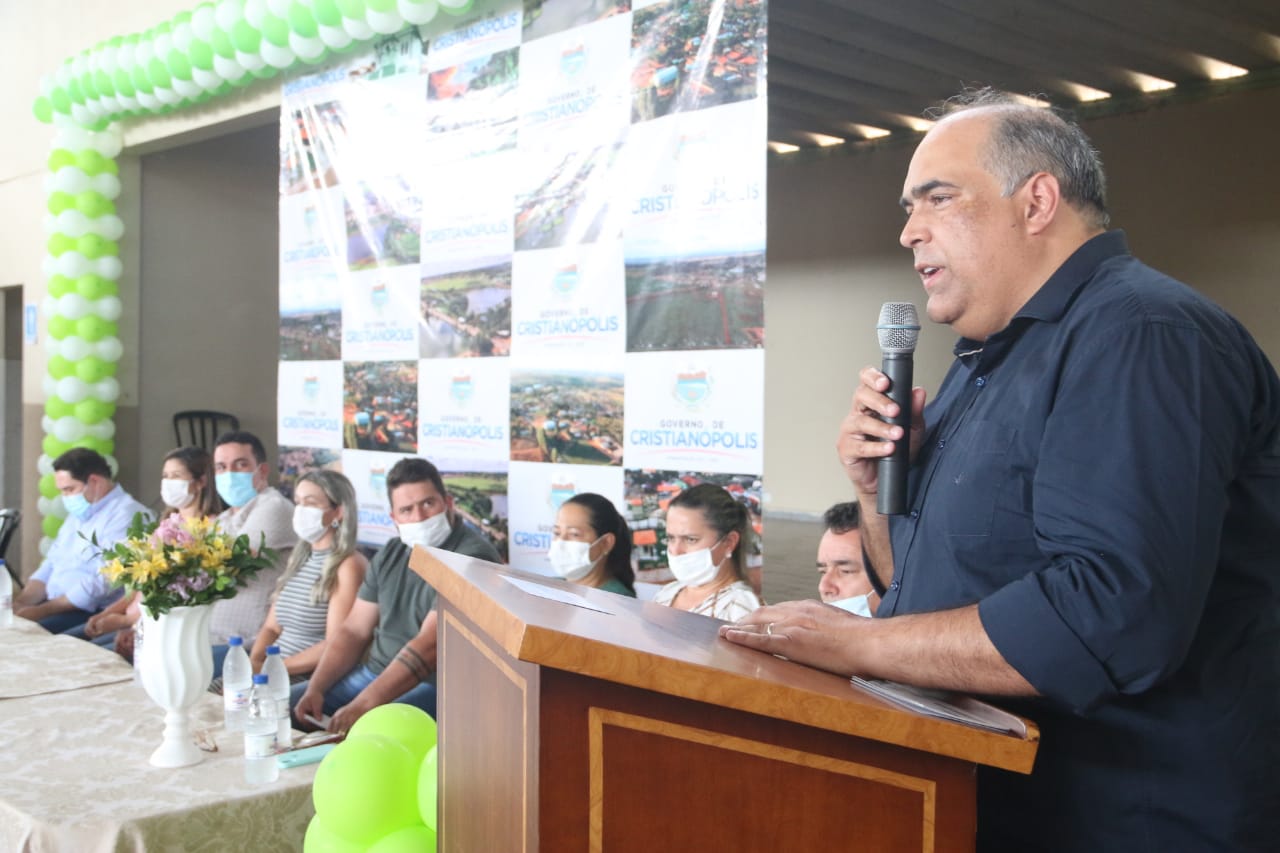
x,y
894,585
980,381
915,513
942,443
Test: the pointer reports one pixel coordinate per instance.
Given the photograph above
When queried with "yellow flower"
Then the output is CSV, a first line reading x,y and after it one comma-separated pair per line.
x,y
113,571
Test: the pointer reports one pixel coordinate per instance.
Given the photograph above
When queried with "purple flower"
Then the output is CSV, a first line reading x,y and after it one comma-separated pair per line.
x,y
200,581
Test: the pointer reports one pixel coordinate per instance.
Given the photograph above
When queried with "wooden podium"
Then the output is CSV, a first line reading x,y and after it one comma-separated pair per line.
x,y
633,727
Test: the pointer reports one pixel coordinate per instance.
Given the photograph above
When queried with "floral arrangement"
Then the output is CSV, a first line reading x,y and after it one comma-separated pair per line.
x,y
182,562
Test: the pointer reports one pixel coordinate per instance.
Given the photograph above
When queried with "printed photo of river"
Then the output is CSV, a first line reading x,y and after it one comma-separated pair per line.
x,y
466,313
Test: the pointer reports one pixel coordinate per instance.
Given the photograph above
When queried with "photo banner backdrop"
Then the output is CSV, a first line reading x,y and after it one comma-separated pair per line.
x,y
527,243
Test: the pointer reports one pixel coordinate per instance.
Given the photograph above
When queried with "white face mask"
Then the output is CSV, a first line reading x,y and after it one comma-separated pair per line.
x,y
176,493
429,534
308,523
855,604
572,560
694,568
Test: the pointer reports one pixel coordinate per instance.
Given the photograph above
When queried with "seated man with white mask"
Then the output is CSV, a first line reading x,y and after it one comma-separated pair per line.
x,y
68,588
842,579
393,619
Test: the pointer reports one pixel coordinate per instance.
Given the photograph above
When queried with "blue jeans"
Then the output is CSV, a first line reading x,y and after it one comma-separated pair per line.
x,y
60,623
350,686
219,655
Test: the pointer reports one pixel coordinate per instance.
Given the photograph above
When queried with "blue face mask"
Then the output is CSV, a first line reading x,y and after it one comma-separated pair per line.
x,y
235,487
77,505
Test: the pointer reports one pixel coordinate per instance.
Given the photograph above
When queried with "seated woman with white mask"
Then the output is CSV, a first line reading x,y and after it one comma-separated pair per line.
x,y
320,580
705,527
591,545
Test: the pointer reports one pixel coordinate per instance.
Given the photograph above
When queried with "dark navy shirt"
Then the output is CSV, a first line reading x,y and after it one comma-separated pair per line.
x,y
1103,478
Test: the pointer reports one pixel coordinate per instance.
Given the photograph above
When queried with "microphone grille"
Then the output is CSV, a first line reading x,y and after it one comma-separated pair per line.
x,y
898,328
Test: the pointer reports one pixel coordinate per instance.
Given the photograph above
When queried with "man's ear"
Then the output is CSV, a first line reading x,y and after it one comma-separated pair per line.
x,y
1041,197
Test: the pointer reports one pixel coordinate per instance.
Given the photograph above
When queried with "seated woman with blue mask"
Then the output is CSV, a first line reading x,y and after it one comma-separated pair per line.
x,y
591,545
705,529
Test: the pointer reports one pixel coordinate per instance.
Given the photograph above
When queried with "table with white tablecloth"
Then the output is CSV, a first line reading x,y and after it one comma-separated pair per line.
x,y
75,735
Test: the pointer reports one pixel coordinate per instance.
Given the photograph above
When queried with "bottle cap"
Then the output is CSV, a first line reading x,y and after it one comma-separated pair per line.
x,y
273,650
259,678
235,641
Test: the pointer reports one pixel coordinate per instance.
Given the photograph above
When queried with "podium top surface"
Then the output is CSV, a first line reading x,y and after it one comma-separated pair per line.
x,y
578,629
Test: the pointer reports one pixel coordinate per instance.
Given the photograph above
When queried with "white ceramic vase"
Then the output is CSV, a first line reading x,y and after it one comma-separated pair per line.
x,y
176,667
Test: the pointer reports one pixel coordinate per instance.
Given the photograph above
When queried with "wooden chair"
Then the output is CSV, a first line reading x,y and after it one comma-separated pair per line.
x,y
201,427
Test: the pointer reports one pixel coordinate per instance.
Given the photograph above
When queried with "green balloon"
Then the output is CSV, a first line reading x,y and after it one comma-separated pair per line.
x,y
201,53
60,286
59,158
275,30
408,726
50,525
43,109
94,204
220,41
103,83
383,6
94,246
90,286
91,411
266,72
59,243
353,9
364,788
56,407
411,839
321,839
48,484
178,64
73,90
461,10
92,369
428,779
54,447
105,446
141,81
124,83
59,367
60,327
61,100
158,74
92,163
181,18
86,85
245,37
326,12
91,327
301,21
59,201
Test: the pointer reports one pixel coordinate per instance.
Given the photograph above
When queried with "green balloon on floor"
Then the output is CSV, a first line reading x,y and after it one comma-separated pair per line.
x,y
411,839
408,726
365,788
322,839
428,782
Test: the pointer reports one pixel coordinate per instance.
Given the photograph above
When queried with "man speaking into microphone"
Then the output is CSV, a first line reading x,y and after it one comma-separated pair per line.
x,y
1093,509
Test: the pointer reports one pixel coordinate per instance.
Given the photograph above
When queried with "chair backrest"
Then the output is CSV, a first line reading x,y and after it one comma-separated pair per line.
x,y
201,427
9,520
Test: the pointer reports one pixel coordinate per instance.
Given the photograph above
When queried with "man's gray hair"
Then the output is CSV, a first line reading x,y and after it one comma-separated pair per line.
x,y
1028,139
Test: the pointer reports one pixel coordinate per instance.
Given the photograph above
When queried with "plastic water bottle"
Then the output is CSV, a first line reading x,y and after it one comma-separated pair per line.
x,y
260,734
6,597
237,678
278,688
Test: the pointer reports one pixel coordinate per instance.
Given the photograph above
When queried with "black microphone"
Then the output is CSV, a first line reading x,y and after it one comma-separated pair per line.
x,y
898,329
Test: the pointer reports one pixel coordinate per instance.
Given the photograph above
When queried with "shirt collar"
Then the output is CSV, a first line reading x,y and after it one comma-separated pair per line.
x,y
1051,301
102,502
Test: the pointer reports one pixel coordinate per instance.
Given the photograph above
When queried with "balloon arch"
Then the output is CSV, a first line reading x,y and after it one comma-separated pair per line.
x,y
199,55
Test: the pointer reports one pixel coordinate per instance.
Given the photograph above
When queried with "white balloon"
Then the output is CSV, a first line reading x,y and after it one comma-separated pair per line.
x,y
110,349
49,266
46,424
181,37
45,544
50,386
384,23
250,61
187,88
253,10
335,38
44,463
80,114
307,49
167,96
50,223
280,8
206,80
72,389
104,430
129,102
49,306
105,183
107,390
108,142
358,30
96,108
73,306
112,104
63,75
276,56
68,429
203,21
46,85
125,57
453,4
227,69
112,464
107,59
143,52
163,43
58,508
417,13
108,308
109,267
71,222
227,13
73,138
148,102
43,503
108,227
74,348
72,264
79,64
70,179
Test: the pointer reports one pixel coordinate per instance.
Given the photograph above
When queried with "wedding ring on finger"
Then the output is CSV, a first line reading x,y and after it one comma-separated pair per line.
x,y
768,629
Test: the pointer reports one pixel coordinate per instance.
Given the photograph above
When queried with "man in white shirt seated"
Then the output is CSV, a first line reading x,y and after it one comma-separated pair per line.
x,y
255,509
68,587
